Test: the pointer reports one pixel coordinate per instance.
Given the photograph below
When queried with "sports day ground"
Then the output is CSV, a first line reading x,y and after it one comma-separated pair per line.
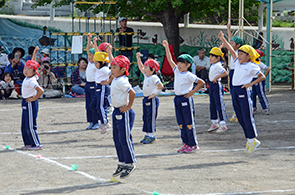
x,y
219,167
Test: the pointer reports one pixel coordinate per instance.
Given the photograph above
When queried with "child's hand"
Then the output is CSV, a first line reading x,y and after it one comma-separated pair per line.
x,y
36,49
94,39
214,80
124,109
109,48
247,85
152,96
165,43
228,26
89,36
104,82
30,99
188,95
138,55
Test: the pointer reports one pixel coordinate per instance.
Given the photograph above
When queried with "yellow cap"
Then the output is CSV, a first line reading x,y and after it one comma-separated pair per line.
x,y
252,52
100,57
216,51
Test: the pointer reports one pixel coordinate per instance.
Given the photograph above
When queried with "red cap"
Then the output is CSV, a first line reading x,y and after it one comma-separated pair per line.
x,y
260,52
123,62
153,64
32,64
103,46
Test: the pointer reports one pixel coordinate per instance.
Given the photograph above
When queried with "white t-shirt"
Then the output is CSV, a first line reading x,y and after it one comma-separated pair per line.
x,y
215,69
29,87
150,85
183,81
90,72
119,91
232,63
262,67
244,73
102,74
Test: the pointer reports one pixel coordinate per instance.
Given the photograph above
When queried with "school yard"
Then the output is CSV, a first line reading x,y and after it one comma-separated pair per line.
x,y
219,167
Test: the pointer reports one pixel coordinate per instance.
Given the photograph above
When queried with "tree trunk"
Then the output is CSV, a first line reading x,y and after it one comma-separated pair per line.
x,y
171,29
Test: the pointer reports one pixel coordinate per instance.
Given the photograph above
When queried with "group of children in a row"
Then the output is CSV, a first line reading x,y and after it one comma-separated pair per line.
x,y
100,95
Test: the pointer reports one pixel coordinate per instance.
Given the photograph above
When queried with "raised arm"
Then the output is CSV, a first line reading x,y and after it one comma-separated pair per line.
x,y
109,51
230,35
168,54
139,62
34,56
227,45
95,44
89,43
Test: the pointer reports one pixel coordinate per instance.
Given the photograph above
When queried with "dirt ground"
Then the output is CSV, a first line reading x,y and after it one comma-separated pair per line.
x,y
219,167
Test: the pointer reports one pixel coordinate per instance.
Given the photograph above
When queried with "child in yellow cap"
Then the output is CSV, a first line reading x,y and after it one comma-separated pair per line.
x,y
217,106
101,100
245,70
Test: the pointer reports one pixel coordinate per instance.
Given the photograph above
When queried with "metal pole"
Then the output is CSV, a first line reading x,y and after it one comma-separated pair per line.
x,y
268,47
52,11
229,22
73,16
242,20
260,14
240,16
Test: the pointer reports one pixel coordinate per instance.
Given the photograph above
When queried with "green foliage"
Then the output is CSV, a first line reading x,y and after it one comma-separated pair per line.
x,y
2,3
279,23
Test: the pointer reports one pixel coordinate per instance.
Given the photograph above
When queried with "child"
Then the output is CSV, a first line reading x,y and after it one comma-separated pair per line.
x,y
123,116
6,86
45,55
259,89
101,101
236,42
92,117
245,70
183,101
216,72
30,105
152,86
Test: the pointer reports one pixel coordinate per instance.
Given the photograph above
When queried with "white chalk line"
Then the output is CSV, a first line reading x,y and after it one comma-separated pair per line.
x,y
161,103
50,161
167,154
140,127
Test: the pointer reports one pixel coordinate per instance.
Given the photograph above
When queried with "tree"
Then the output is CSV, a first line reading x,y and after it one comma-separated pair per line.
x,y
2,3
167,12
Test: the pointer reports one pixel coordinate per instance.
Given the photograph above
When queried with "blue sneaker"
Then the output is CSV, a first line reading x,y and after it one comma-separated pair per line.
x,y
90,126
144,139
149,140
96,126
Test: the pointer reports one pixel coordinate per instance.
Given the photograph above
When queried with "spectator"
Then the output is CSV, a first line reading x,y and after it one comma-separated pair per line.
x,y
3,62
7,87
201,65
15,68
125,40
48,81
45,55
30,51
78,77
19,54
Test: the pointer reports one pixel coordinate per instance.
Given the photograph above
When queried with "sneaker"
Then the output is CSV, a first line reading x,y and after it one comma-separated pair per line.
x,y
213,127
149,140
104,128
90,126
221,129
254,110
25,147
127,171
119,170
145,137
184,147
96,126
110,111
267,111
191,149
253,146
247,147
35,147
233,118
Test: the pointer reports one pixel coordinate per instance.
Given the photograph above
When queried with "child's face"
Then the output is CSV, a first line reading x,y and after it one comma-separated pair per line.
x,y
183,67
234,45
213,59
117,71
90,57
7,78
97,64
83,64
147,71
243,57
29,72
43,54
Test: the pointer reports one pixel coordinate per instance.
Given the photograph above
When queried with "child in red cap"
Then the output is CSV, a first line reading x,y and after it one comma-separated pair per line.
x,y
152,86
30,104
123,116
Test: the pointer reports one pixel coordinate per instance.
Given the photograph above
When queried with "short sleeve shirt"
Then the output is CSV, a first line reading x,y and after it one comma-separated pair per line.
x,y
90,72
183,81
102,74
29,87
232,63
262,67
244,73
150,85
119,91
215,70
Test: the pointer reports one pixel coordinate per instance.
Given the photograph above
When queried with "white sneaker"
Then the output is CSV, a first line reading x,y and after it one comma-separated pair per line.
x,y
213,127
104,128
221,129
110,110
267,110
